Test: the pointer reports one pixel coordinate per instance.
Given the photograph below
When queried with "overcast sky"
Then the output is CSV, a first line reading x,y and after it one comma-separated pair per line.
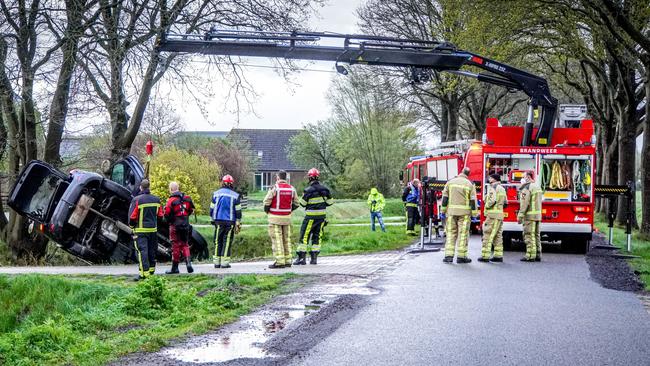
x,y
280,104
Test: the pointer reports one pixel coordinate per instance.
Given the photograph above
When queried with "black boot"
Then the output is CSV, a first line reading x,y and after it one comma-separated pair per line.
x,y
496,259
484,260
448,260
463,260
302,258
524,259
174,269
190,269
275,265
538,258
314,256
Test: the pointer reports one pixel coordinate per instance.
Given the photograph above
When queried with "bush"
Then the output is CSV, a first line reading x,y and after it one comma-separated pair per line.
x,y
161,175
202,173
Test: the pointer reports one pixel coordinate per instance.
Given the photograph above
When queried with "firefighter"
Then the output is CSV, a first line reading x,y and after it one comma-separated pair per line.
x,y
530,216
458,204
279,202
376,203
144,211
495,200
178,209
315,199
225,212
411,198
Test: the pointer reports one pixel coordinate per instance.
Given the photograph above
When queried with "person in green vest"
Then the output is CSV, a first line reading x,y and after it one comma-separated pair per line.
x,y
376,203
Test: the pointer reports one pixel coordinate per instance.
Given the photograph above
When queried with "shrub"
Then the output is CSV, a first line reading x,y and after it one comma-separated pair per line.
x,y
161,175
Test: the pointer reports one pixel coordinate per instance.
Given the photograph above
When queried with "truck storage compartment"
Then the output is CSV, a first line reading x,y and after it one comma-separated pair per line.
x,y
566,178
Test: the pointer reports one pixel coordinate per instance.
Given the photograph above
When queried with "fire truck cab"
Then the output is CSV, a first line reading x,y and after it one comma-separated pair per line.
x,y
563,169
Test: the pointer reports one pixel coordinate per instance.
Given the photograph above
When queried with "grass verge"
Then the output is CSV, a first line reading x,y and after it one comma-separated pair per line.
x,y
640,247
254,242
55,320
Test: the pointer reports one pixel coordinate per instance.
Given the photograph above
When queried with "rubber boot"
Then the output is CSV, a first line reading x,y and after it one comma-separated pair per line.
x,y
190,269
497,259
302,258
448,260
314,256
524,259
484,260
174,269
538,258
463,260
275,265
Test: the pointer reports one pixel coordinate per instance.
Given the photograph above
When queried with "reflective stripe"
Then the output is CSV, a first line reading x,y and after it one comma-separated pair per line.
x,y
303,202
494,210
315,212
408,204
145,205
216,246
459,206
140,265
461,186
145,229
316,200
305,238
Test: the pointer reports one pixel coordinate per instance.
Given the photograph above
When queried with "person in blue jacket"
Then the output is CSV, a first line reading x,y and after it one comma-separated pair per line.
x,y
411,199
225,214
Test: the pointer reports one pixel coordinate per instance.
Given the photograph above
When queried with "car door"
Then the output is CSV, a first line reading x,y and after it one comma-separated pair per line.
x,y
128,172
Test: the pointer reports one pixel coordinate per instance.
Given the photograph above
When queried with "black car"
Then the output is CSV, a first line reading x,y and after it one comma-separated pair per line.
x,y
86,214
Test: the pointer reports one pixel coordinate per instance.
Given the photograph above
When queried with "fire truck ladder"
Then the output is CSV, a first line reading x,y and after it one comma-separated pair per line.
x,y
420,56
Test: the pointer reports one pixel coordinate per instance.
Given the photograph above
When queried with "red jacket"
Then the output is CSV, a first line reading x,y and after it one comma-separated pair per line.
x,y
178,208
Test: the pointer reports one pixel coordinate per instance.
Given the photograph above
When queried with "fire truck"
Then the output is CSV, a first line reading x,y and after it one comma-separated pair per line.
x,y
538,146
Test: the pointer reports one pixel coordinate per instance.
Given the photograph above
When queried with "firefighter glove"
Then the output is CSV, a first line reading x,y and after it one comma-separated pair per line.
x,y
267,209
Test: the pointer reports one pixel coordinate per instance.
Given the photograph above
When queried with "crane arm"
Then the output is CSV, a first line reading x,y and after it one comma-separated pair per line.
x,y
420,56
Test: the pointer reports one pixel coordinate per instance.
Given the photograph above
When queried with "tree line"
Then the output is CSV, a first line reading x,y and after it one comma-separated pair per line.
x,y
595,52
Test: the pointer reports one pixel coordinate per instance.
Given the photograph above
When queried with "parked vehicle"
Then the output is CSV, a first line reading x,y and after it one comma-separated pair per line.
x,y
86,214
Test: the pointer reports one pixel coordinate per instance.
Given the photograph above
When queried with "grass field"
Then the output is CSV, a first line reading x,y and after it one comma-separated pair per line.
x,y
640,247
54,320
345,211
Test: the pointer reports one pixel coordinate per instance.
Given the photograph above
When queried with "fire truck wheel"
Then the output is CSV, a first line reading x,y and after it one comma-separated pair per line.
x,y
578,246
507,242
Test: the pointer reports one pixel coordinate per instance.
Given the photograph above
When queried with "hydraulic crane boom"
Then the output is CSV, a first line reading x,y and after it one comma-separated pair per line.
x,y
420,56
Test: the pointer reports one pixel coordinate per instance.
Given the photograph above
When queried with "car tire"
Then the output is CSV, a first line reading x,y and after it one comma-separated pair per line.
x,y
199,246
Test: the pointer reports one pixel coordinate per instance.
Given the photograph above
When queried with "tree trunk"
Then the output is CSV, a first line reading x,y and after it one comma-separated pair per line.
x,y
452,125
59,106
645,160
444,121
626,158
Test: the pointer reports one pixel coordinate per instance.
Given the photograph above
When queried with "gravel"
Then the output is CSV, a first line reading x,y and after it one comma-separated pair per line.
x,y
610,272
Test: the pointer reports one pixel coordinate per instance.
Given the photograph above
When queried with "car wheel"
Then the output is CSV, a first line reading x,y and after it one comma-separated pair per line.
x,y
198,246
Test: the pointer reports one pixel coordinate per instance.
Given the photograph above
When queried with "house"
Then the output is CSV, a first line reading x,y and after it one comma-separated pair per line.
x,y
270,148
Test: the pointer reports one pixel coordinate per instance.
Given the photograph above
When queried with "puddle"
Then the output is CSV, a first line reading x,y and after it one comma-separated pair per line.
x,y
246,338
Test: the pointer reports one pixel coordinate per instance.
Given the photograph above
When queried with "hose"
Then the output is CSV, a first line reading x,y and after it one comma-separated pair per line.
x,y
566,176
546,174
585,171
556,177
577,179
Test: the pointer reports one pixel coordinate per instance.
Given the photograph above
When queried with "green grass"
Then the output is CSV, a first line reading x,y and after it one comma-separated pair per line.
x,y
254,242
640,247
345,211
91,320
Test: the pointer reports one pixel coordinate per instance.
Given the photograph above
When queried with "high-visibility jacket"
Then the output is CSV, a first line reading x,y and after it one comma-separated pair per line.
x,y
315,199
411,196
279,202
225,206
495,200
459,197
530,202
144,211
376,201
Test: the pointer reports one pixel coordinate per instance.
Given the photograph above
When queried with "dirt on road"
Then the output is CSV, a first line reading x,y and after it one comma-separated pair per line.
x,y
610,271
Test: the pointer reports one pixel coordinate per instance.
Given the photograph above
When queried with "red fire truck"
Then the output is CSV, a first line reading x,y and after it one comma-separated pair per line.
x,y
564,170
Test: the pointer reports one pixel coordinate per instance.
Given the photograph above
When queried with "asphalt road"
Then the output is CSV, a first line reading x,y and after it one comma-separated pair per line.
x,y
514,313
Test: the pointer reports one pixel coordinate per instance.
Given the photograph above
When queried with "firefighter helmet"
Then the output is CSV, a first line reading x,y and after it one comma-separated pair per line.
x,y
313,173
228,179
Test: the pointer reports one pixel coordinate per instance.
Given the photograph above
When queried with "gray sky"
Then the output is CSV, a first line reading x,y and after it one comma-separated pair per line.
x,y
280,104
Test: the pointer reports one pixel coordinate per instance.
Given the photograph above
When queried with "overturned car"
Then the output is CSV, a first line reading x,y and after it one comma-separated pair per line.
x,y
86,214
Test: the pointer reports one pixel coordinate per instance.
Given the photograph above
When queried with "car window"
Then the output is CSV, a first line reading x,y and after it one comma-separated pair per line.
x,y
41,199
117,175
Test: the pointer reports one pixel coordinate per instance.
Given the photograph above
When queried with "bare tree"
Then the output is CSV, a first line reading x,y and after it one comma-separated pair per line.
x,y
122,63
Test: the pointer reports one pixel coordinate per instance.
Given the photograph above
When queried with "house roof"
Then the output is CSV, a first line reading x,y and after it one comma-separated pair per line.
x,y
210,134
270,145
